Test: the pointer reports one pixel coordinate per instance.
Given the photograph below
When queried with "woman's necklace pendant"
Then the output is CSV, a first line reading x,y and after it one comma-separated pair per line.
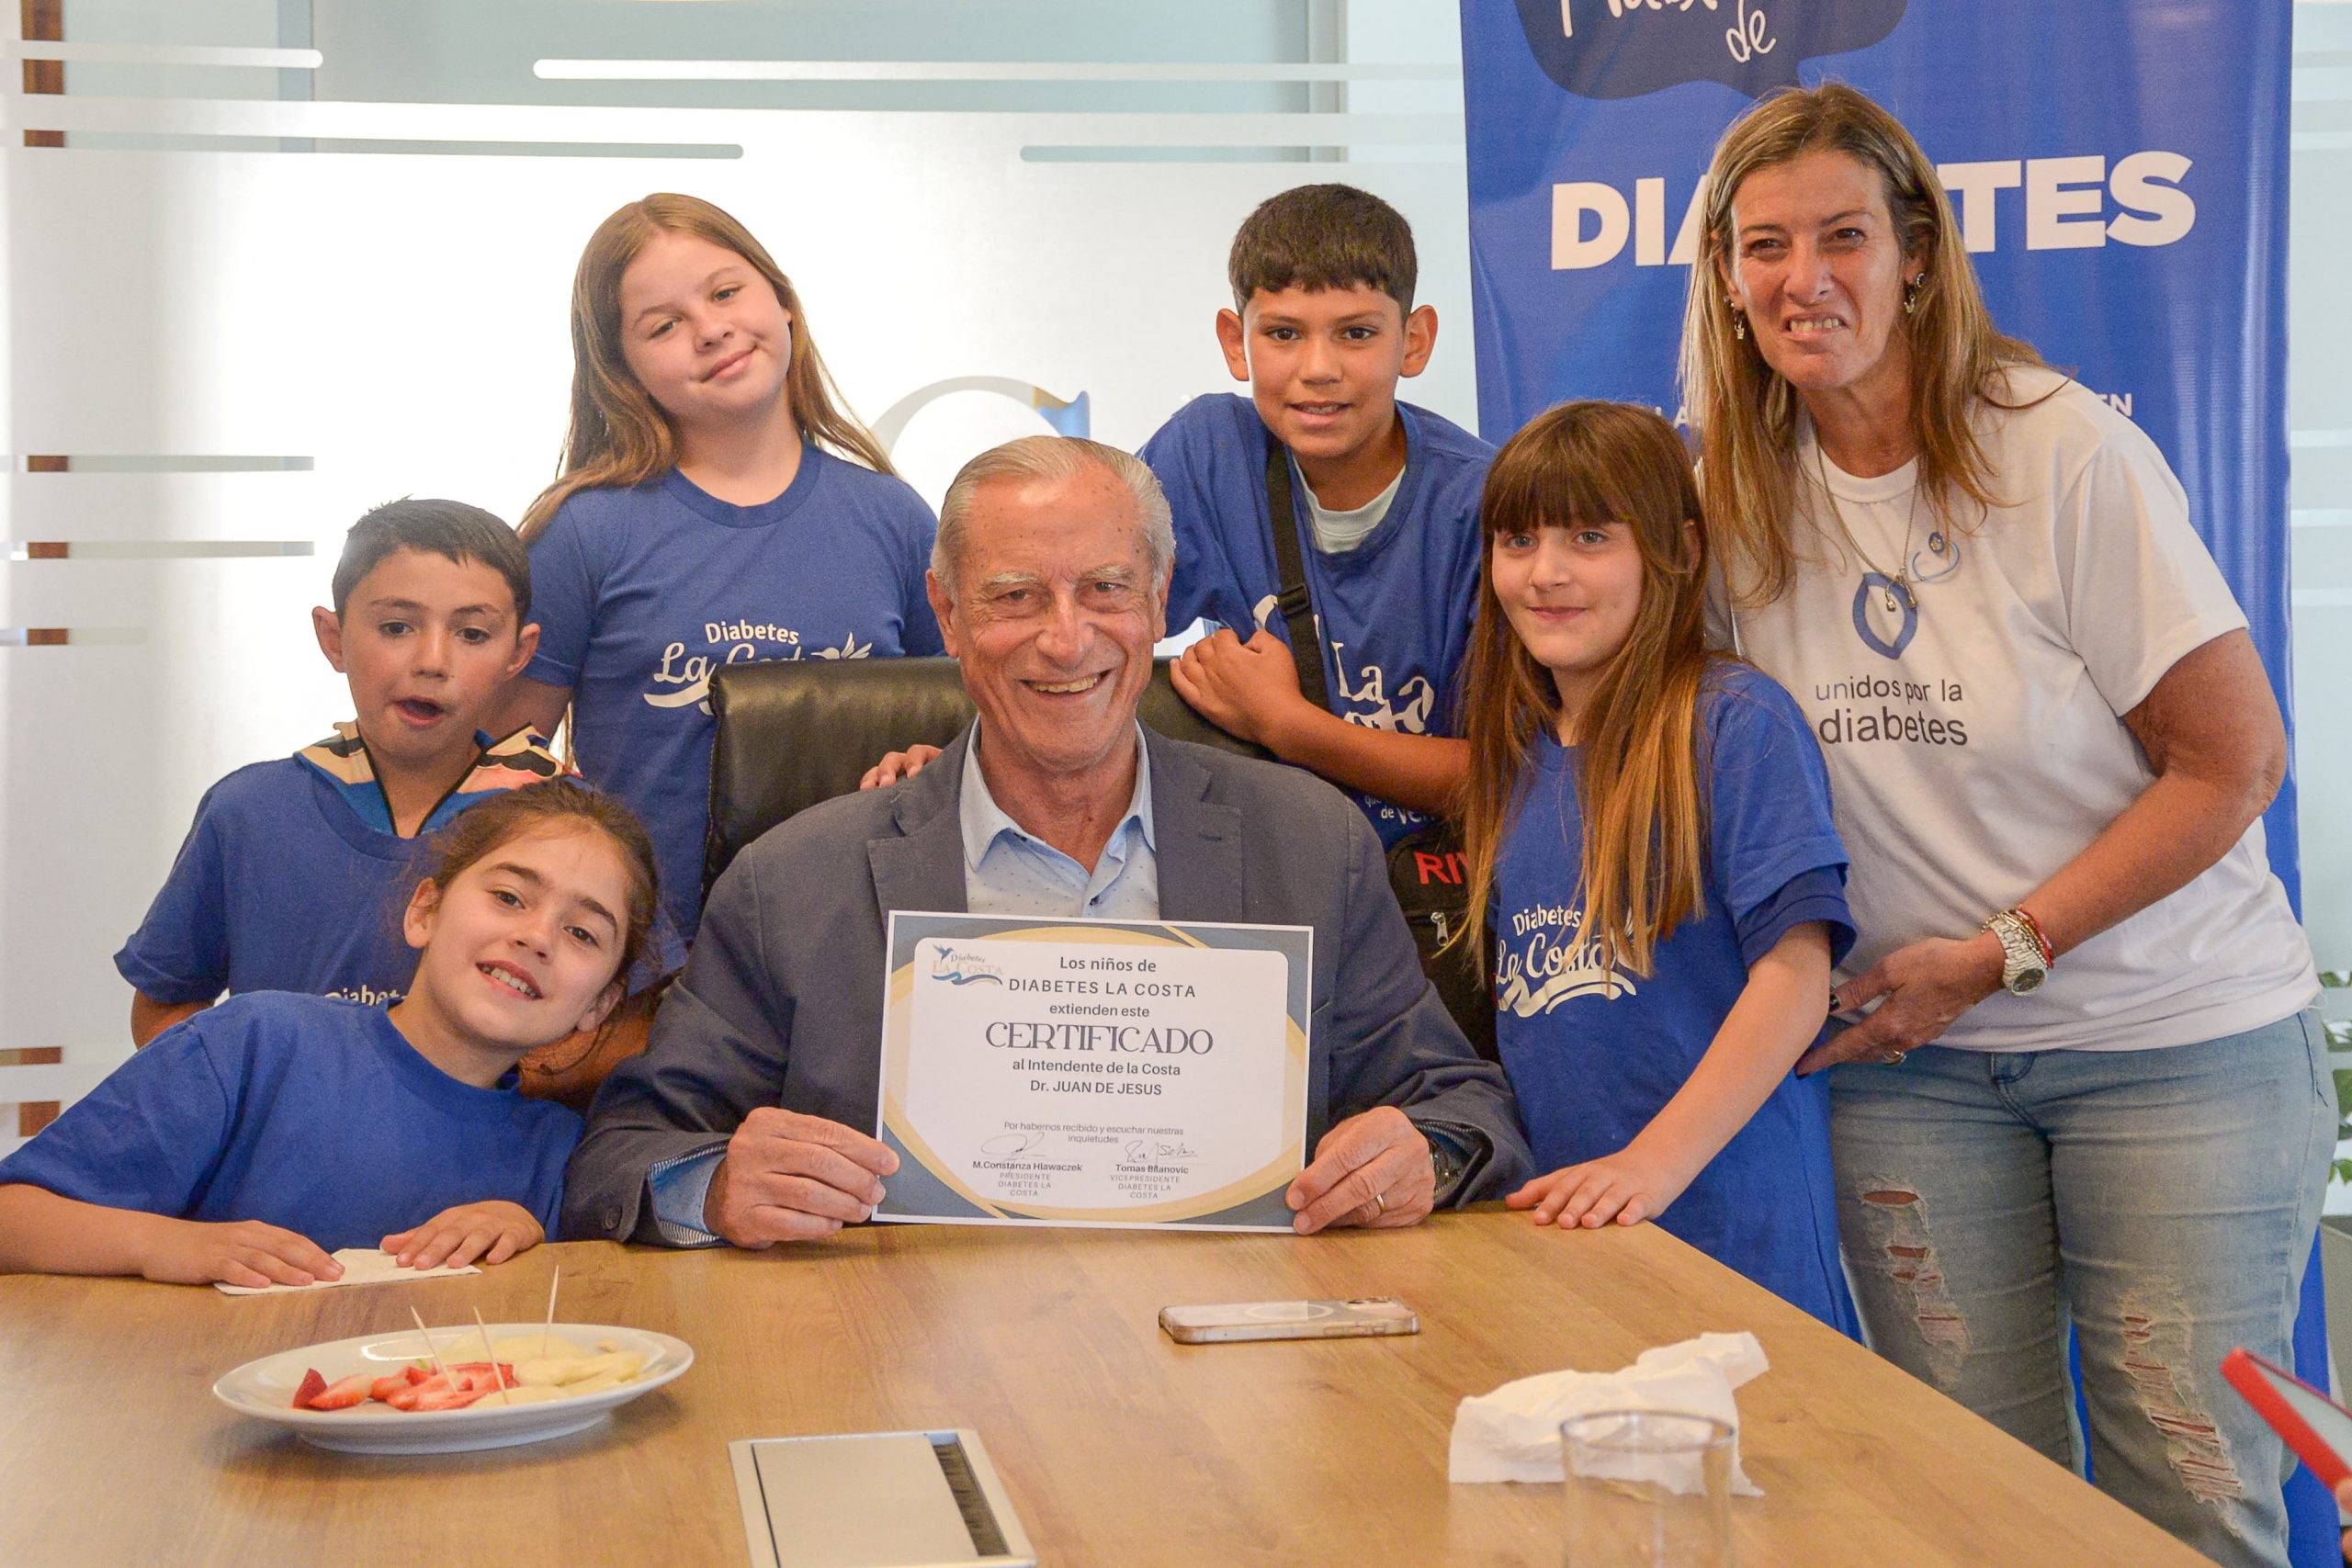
x,y
1891,605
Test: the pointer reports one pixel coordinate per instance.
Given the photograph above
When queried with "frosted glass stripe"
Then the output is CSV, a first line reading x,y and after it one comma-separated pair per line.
x,y
156,550
111,141
167,54
147,463
70,636
69,1079
543,122
974,71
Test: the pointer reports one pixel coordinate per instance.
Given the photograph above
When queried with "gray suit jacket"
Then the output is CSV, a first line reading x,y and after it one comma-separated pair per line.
x,y
781,1001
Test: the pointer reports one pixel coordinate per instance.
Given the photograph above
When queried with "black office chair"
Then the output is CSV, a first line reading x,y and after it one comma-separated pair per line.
x,y
793,732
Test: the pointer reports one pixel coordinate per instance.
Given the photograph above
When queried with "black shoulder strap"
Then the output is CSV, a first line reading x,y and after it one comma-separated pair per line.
x,y
1292,598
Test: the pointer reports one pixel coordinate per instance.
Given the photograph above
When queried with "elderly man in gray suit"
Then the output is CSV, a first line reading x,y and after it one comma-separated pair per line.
x,y
748,1119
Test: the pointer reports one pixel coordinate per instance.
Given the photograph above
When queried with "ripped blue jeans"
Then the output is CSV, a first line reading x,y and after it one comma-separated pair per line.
x,y
2165,1200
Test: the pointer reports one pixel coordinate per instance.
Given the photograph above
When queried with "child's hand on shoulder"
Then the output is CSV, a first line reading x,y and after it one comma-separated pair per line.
x,y
1628,1187
241,1252
1247,689
489,1232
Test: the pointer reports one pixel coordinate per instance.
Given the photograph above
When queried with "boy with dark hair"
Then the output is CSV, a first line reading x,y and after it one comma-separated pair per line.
x,y
1379,499
291,876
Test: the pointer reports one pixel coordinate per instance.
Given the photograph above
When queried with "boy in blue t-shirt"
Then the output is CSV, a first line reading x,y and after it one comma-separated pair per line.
x,y
1387,509
291,877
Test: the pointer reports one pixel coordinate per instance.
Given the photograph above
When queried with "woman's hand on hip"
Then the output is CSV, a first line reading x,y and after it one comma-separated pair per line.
x,y
1920,989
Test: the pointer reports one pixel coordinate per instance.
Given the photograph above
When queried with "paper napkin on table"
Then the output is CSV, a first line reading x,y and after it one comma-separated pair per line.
x,y
361,1266
1513,1434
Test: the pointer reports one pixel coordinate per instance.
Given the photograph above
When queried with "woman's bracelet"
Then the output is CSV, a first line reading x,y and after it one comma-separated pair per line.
x,y
2033,929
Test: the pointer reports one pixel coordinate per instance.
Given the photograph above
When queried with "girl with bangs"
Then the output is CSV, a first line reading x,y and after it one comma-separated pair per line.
x,y
717,504
1648,825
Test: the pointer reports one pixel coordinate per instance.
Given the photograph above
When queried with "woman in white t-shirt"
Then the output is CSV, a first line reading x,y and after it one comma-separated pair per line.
x,y
2050,742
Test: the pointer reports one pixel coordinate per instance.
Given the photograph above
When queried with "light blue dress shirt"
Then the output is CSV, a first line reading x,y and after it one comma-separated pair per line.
x,y
1007,871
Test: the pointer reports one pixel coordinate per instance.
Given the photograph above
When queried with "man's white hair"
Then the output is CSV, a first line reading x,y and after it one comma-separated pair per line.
x,y
1052,457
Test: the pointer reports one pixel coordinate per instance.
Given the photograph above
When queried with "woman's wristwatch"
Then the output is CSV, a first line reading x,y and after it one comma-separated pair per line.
x,y
2025,952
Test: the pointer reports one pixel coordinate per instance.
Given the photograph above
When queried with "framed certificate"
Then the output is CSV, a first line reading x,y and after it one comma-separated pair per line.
x,y
1079,1072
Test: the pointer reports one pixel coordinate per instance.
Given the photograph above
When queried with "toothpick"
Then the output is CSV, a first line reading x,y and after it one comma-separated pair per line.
x,y
438,1365
490,1353
549,1327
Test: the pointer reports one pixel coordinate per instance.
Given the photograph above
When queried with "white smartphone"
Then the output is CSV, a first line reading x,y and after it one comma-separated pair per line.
x,y
1287,1320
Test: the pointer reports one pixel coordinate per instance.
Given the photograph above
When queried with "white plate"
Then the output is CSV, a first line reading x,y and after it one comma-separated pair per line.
x,y
265,1389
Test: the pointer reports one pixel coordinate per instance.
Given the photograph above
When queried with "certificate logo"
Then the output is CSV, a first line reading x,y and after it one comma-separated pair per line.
x,y
962,967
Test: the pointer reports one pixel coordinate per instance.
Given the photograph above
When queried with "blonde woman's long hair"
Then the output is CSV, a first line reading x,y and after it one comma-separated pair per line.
x,y
1746,414
619,435
1644,817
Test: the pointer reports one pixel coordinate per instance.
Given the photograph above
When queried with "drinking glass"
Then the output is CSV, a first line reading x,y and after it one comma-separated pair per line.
x,y
1648,1489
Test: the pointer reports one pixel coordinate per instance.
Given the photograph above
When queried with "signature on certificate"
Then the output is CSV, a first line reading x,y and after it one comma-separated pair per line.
x,y
1139,1149
1005,1144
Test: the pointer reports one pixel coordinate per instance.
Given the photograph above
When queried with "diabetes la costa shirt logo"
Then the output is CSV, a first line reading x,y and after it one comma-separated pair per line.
x,y
1367,693
1540,966
683,679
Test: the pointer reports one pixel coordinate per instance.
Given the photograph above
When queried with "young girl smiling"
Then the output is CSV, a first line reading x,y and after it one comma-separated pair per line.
x,y
1647,825
717,505
248,1143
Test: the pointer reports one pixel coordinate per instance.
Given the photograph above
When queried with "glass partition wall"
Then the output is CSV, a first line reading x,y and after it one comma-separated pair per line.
x,y
271,262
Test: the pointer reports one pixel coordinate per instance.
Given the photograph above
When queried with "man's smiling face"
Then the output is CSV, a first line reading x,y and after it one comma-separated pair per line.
x,y
1053,614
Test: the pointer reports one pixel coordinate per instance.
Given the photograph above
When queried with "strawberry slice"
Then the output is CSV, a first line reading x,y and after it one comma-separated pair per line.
x,y
446,1398
481,1376
344,1395
312,1386
384,1388
407,1398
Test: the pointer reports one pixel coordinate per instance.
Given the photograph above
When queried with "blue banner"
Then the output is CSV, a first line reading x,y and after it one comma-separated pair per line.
x,y
2119,173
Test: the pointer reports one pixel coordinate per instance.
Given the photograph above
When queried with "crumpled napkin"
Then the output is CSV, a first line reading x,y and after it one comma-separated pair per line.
x,y
1513,1434
361,1266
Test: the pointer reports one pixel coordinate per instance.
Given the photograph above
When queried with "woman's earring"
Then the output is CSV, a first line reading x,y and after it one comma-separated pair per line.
x,y
1738,325
1911,295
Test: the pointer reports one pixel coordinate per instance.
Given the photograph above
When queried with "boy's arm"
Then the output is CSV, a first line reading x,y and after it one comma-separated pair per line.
x,y
178,961
149,1018
44,1233
532,702
1250,688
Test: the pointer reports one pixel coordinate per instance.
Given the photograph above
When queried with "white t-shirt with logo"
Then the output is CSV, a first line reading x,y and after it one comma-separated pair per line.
x,y
1974,742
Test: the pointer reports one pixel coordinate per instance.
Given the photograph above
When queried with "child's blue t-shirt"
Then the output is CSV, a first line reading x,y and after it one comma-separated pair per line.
x,y
305,1112
1395,611
1593,1055
292,879
640,594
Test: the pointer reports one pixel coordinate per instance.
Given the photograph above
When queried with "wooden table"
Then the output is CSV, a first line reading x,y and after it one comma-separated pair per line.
x,y
1117,1446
